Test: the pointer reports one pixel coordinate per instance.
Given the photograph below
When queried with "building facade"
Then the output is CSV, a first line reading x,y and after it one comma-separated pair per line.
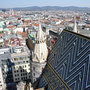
x,y
21,64
6,76
14,67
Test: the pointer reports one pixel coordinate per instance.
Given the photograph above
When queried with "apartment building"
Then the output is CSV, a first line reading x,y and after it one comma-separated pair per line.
x,y
21,64
6,76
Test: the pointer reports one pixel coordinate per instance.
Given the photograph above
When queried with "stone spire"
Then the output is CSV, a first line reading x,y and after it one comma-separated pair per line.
x,y
39,56
75,26
40,33
40,50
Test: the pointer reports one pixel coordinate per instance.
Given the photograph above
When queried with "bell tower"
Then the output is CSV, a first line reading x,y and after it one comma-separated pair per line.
x,y
39,56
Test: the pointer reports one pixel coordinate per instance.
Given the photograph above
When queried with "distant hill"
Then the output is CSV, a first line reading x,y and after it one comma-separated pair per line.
x,y
36,8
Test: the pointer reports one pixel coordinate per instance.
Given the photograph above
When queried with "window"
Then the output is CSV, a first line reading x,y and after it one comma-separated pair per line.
x,y
2,69
54,54
17,79
23,61
37,41
15,58
34,68
27,61
16,75
14,67
24,78
33,74
21,58
14,71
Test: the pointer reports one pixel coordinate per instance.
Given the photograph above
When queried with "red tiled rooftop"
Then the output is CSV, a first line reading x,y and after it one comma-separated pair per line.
x,y
36,24
10,26
27,21
30,24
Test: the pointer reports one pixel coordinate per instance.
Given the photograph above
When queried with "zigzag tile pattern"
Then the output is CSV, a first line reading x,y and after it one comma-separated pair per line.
x,y
68,64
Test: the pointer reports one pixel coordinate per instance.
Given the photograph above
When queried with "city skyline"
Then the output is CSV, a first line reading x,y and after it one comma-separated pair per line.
x,y
44,48
26,3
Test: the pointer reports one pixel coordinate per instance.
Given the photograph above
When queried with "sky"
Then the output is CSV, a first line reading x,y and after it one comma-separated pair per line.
x,y
27,3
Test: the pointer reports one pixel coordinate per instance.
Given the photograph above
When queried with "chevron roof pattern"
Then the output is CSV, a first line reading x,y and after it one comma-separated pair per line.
x,y
68,64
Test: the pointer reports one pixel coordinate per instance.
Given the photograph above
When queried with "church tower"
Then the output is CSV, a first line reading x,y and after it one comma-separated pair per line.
x,y
75,26
39,55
